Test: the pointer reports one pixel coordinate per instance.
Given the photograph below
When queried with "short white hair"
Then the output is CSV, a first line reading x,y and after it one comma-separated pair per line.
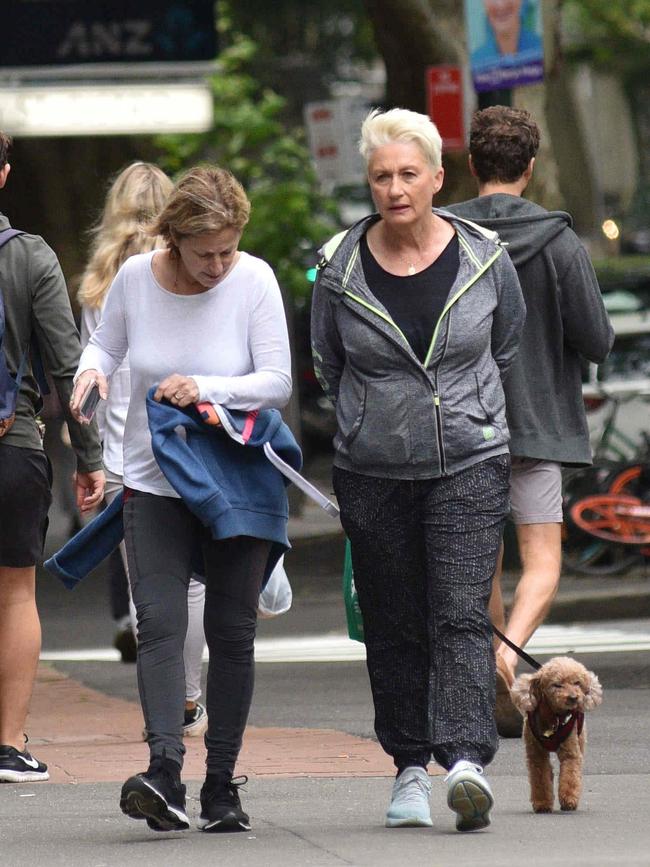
x,y
400,124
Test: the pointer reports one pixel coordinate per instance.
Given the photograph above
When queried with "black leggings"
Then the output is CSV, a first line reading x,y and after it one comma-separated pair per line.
x,y
162,539
423,554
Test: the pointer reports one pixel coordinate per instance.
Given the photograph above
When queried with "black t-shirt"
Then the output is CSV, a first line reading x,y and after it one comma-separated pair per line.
x,y
414,303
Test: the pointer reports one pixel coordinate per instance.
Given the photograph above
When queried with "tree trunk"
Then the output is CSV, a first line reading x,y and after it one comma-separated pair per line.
x,y
412,35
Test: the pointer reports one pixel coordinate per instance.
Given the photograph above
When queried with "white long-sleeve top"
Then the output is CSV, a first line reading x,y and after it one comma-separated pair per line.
x,y
111,413
231,339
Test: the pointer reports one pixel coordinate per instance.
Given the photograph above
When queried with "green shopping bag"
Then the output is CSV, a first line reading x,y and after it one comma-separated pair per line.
x,y
352,611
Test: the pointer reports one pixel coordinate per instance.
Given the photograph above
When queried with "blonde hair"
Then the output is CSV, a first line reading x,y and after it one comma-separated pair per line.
x,y
134,198
205,199
400,124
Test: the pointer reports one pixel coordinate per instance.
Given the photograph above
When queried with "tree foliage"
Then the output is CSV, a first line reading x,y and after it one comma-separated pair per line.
x,y
613,36
289,216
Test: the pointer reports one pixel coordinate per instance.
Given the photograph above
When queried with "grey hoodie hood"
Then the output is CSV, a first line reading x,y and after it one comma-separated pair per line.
x,y
523,227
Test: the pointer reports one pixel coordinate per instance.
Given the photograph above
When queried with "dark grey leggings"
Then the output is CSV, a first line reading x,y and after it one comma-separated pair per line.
x,y
162,540
424,553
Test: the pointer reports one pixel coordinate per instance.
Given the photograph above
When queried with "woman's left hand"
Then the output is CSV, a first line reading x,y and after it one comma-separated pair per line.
x,y
177,389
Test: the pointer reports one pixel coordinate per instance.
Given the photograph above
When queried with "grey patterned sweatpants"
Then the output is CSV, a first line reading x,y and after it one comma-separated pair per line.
x,y
423,554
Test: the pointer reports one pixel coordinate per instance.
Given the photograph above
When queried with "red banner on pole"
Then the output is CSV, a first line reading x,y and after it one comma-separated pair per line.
x,y
445,104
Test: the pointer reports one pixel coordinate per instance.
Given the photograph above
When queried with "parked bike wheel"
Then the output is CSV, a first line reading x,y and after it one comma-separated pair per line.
x,y
581,552
613,517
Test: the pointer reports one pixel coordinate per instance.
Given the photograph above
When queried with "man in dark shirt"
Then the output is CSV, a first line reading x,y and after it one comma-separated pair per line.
x,y
566,322
36,301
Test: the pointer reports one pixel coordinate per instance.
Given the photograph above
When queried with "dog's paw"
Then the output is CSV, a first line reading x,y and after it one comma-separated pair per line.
x,y
542,808
568,804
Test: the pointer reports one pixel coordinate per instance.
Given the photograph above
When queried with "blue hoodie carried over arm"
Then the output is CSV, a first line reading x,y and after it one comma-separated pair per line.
x,y
222,474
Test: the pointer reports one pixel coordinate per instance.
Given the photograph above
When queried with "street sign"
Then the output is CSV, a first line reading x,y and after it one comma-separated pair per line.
x,y
333,128
44,33
445,104
102,108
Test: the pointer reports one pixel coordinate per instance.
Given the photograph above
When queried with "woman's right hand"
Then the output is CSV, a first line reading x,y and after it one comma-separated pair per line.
x,y
82,386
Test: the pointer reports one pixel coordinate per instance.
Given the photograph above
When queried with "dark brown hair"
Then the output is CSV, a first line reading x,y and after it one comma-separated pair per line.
x,y
5,144
502,142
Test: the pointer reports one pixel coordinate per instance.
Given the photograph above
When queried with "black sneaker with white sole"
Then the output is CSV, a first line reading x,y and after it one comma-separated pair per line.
x,y
157,796
18,766
221,809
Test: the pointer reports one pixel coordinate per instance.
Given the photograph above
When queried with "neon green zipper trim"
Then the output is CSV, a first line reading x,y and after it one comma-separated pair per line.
x,y
377,312
350,265
353,258
472,255
458,294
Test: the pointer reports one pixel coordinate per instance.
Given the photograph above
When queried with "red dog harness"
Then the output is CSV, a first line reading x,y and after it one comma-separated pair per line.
x,y
552,738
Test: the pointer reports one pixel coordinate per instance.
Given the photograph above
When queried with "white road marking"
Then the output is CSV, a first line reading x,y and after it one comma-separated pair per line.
x,y
548,640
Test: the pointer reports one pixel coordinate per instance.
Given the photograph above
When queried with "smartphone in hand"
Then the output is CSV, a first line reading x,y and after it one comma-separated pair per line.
x,y
89,403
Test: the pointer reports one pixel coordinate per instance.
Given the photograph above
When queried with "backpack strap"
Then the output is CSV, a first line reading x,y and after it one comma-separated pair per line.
x,y
8,234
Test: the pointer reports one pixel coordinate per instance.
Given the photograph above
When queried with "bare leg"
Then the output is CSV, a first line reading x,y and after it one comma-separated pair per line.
x,y
540,553
20,646
496,606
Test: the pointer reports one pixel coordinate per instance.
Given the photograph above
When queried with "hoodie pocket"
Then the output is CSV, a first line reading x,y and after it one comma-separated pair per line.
x,y
381,435
349,437
490,397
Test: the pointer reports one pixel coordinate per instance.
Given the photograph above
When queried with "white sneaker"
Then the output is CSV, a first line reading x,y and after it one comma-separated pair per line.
x,y
409,805
195,722
469,795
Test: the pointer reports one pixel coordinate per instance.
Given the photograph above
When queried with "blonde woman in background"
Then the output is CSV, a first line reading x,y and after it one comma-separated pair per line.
x,y
135,197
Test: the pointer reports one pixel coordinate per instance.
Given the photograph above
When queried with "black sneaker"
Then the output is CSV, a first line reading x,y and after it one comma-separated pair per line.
x,y
20,767
157,796
220,805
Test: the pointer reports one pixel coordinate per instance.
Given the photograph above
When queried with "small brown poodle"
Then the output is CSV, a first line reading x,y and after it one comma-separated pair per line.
x,y
553,702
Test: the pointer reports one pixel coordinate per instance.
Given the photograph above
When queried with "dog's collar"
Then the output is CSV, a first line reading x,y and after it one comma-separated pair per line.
x,y
551,738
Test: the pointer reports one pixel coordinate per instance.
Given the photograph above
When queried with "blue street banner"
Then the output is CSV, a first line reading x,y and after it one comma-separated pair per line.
x,y
505,43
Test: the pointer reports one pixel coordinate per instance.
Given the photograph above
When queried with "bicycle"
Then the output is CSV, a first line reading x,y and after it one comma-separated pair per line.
x,y
616,516
617,468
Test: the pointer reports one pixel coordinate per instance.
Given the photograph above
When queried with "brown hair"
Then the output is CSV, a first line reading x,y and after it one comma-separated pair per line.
x,y
502,142
205,199
5,145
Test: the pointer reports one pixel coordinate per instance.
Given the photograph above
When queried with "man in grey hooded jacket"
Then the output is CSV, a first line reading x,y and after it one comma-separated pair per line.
x,y
566,323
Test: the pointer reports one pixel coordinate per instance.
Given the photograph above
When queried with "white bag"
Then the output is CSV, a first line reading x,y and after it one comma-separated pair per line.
x,y
276,597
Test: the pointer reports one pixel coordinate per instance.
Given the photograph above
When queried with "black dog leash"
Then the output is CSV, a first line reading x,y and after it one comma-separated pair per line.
x,y
521,653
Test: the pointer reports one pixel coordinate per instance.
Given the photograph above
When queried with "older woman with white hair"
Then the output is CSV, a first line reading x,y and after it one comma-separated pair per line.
x,y
416,318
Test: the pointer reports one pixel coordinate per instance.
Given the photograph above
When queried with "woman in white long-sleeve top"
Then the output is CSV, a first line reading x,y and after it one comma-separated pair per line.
x,y
135,197
201,321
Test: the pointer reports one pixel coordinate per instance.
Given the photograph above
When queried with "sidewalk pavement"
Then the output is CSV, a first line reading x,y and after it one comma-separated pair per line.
x,y
85,736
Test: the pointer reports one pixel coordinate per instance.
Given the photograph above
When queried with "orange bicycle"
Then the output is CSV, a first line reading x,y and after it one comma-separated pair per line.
x,y
593,541
621,515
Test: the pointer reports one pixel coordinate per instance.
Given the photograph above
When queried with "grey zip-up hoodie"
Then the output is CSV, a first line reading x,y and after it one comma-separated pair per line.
x,y
399,417
566,322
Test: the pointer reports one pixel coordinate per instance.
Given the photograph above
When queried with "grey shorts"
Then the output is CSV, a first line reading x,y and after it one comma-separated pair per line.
x,y
535,491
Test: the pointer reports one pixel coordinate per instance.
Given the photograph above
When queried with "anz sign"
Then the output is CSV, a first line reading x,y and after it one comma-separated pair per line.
x,y
42,33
